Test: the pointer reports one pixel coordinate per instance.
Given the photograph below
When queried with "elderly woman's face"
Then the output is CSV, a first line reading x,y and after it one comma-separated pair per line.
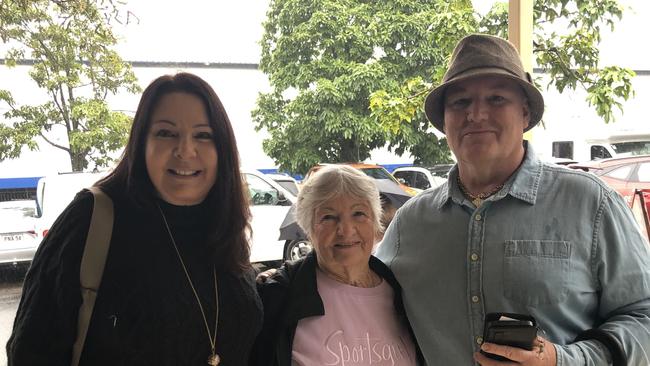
x,y
343,233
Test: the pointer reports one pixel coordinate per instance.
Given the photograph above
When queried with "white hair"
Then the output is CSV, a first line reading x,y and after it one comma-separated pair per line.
x,y
331,182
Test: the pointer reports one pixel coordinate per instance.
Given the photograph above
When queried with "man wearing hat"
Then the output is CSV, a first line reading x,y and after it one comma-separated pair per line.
x,y
510,233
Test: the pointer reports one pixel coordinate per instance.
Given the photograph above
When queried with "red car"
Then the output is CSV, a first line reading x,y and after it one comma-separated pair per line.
x,y
625,175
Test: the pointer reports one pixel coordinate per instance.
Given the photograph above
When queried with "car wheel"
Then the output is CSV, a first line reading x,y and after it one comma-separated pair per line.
x,y
296,249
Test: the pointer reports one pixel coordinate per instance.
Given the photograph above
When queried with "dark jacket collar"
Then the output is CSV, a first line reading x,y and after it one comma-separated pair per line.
x,y
302,301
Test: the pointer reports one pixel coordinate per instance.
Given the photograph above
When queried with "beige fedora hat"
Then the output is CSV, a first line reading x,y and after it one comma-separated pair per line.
x,y
483,55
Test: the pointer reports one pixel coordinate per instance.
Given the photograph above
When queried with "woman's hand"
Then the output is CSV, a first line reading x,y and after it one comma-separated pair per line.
x,y
542,354
262,277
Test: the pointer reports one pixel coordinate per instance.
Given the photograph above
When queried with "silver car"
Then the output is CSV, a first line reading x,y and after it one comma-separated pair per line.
x,y
18,240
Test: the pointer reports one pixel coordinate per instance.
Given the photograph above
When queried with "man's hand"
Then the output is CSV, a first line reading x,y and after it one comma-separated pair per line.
x,y
543,354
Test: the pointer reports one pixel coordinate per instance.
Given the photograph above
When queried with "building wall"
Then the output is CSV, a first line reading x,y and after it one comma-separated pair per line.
x,y
237,88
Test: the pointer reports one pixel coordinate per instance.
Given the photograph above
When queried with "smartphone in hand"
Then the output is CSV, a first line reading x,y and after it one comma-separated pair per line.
x,y
510,329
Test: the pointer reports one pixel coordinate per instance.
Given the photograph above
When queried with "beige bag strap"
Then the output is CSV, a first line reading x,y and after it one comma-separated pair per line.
x,y
92,264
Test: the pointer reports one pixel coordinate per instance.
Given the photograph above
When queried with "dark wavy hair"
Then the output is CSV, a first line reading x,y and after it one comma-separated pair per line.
x,y
229,237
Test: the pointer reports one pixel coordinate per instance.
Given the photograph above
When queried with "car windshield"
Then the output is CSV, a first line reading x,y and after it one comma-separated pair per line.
x,y
378,173
632,148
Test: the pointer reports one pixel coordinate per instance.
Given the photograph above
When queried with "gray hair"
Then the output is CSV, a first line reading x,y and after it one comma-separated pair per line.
x,y
331,182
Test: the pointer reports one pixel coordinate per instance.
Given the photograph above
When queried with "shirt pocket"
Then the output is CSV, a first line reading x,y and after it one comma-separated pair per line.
x,y
536,271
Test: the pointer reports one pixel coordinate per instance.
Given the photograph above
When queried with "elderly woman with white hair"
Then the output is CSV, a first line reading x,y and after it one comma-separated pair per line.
x,y
339,305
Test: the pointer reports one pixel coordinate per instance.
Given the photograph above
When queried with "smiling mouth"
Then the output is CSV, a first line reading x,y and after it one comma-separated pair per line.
x,y
184,173
476,133
345,246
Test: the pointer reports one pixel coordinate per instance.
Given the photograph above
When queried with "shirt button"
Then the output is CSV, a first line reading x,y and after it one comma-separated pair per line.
x,y
479,340
478,217
474,298
474,256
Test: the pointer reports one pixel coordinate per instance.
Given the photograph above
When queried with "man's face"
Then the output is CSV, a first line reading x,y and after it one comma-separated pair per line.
x,y
485,119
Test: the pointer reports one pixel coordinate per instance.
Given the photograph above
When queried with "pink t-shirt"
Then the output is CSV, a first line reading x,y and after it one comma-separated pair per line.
x,y
360,327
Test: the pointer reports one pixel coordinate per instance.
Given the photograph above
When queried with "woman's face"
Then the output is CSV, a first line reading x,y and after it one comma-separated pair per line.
x,y
343,233
180,153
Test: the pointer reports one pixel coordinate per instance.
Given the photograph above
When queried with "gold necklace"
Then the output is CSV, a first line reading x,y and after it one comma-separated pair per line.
x,y
477,199
213,359
372,279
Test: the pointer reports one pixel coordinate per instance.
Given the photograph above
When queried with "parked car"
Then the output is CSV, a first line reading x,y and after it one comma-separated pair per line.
x,y
269,205
625,175
423,177
561,161
594,145
18,241
640,209
371,170
287,182
643,195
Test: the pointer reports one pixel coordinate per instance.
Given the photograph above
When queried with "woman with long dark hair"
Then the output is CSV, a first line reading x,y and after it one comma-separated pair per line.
x,y
177,288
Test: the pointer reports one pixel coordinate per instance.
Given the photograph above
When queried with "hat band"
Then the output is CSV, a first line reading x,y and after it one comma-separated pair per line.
x,y
476,71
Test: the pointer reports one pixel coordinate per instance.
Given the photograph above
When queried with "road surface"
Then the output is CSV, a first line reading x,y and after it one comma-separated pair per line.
x,y
11,282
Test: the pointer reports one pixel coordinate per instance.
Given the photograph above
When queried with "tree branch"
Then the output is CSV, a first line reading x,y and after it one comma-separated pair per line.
x,y
423,91
567,68
62,107
70,100
53,144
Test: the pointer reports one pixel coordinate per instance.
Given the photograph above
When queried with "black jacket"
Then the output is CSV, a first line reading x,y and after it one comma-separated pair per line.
x,y
146,313
290,295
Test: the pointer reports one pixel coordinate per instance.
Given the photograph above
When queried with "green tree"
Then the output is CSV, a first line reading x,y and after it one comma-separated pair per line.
x,y
348,76
71,45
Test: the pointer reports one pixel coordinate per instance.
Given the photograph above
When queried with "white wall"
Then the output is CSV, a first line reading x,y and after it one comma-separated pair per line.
x,y
237,89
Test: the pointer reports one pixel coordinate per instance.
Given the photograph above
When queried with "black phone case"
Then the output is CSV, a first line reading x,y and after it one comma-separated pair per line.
x,y
519,333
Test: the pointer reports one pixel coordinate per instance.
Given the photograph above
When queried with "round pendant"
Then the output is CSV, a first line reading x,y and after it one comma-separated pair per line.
x,y
214,360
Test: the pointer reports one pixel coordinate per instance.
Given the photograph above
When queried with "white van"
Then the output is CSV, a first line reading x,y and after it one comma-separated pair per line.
x,y
269,205
596,148
55,192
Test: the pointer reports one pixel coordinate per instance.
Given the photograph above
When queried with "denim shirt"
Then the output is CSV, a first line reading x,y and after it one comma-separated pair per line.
x,y
554,243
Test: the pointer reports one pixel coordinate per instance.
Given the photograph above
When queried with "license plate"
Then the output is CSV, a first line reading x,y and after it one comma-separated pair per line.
x,y
9,238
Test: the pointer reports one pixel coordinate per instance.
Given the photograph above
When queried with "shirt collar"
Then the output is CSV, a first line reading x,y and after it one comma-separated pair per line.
x,y
525,182
523,185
